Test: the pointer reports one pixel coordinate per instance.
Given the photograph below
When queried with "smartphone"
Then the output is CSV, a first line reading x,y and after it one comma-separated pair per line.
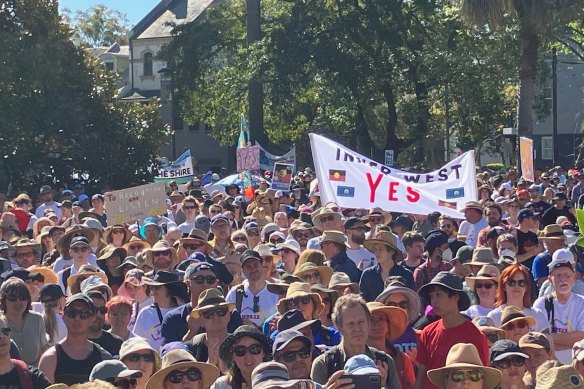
x,y
365,381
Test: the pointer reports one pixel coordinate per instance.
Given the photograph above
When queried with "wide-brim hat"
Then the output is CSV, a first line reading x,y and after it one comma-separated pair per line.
x,y
161,245
472,205
138,343
111,250
44,232
563,377
196,235
485,187
464,355
300,289
28,243
49,275
248,330
180,359
290,244
162,278
487,273
341,279
552,231
337,237
86,271
283,283
88,214
108,231
136,240
377,211
482,256
414,304
512,314
325,212
386,238
324,271
210,298
396,317
65,240
449,281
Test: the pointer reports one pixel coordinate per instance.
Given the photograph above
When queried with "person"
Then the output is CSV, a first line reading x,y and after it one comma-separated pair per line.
x,y
293,350
115,373
269,261
135,246
161,257
484,289
190,208
117,235
195,241
119,314
25,253
414,247
353,319
449,226
241,352
559,208
448,299
15,373
578,357
494,215
311,273
334,246
376,217
53,299
563,307
487,327
439,256
289,252
150,231
221,243
109,261
474,222
328,297
27,326
539,350
276,375
137,354
325,219
355,230
71,360
79,250
301,232
553,239
109,341
134,288
181,370
515,323
527,243
47,195
384,246
464,368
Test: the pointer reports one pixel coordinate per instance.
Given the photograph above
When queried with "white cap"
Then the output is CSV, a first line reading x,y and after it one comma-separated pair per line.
x,y
561,257
506,185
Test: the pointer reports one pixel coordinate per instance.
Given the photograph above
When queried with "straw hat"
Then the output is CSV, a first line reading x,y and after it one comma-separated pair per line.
x,y
300,289
135,344
552,231
396,317
110,250
559,377
77,230
25,242
487,272
341,279
482,256
135,240
384,237
197,235
180,360
472,205
512,314
464,355
486,324
49,275
84,272
161,245
210,298
108,231
377,211
325,212
44,232
334,236
414,304
307,267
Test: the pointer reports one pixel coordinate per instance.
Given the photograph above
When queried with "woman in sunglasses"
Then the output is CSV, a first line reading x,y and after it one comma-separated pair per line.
x,y
28,327
180,370
515,289
506,356
241,352
484,289
515,323
137,354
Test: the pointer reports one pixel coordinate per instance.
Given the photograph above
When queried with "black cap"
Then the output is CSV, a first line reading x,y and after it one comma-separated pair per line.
x,y
247,254
294,320
504,348
79,239
66,204
524,213
80,297
350,222
50,292
559,196
76,203
24,274
97,197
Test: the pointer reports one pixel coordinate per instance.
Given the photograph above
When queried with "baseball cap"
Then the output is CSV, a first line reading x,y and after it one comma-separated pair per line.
x,y
504,348
79,239
507,186
50,292
203,223
350,222
524,213
112,368
251,225
97,197
45,188
219,218
80,297
360,364
83,197
66,204
561,258
285,337
535,339
197,267
250,254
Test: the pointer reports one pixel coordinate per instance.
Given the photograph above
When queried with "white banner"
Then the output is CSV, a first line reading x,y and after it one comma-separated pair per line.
x,y
135,204
268,160
180,170
354,181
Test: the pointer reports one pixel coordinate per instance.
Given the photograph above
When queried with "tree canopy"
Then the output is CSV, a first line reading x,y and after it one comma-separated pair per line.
x,y
99,26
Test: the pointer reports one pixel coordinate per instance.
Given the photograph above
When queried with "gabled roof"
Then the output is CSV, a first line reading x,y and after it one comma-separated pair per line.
x,y
162,19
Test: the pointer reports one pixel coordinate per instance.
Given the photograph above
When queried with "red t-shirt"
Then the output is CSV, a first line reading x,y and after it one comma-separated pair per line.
x,y
436,340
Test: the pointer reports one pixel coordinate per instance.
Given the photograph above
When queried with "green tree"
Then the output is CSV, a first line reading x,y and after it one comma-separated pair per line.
x,y
99,26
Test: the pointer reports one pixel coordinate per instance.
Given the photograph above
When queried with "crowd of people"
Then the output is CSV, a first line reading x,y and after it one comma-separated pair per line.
x,y
284,291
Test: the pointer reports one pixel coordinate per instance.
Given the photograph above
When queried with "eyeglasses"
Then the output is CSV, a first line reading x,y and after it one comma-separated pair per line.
x,y
219,312
404,304
102,310
292,355
83,249
311,276
519,283
15,297
6,331
486,285
325,219
117,231
73,313
199,280
192,246
276,241
507,362
145,357
189,207
239,239
492,337
123,383
161,253
296,301
446,226
241,351
136,247
519,324
192,374
461,375
299,235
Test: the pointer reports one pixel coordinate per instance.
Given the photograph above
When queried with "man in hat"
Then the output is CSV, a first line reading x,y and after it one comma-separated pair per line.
x,y
448,298
71,360
47,194
110,342
352,318
527,243
221,243
474,222
563,307
302,233
25,253
79,251
539,350
439,253
577,189
494,215
334,246
293,350
190,207
98,204
355,230
553,239
252,298
414,248
376,218
559,208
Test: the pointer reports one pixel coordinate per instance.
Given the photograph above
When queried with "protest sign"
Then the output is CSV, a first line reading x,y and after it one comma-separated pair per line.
x,y
180,170
354,181
282,176
248,158
268,160
135,204
526,155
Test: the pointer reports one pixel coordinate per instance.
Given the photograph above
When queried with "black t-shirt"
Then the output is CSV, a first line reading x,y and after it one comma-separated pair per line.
x,y
110,342
10,380
541,206
550,216
526,240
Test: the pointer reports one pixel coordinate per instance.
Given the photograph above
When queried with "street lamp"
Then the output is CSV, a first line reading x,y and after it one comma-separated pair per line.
x,y
166,74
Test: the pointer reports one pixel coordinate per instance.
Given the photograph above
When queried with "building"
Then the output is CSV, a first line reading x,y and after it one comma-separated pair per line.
x,y
147,81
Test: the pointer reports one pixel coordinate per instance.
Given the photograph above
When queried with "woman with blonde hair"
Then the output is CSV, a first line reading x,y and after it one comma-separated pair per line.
x,y
39,224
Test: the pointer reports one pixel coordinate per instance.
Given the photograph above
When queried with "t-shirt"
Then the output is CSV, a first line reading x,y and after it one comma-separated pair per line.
x,y
407,342
436,340
567,318
10,380
31,338
525,241
471,231
539,267
476,311
40,211
186,227
148,325
541,322
266,305
361,255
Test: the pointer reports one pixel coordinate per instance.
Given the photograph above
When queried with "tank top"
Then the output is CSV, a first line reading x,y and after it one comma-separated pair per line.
x,y
71,371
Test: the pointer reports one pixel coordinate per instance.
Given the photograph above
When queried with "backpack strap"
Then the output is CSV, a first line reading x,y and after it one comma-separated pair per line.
x,y
66,275
239,295
24,376
333,360
549,307
159,312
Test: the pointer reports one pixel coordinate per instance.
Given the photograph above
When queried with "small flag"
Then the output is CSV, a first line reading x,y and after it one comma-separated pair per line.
x,y
207,178
346,191
455,193
447,204
337,175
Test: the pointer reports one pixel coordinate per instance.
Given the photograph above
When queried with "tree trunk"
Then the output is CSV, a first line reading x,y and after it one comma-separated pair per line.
x,y
529,42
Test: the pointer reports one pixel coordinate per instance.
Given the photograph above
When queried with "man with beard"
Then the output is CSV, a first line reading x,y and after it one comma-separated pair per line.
x,y
560,208
538,204
302,233
494,215
448,225
221,243
474,223
48,203
355,230
436,245
110,342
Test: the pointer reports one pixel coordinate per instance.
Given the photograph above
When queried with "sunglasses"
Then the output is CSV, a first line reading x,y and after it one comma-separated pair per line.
x,y
296,301
404,304
6,331
219,312
311,276
519,283
145,357
241,351
189,207
199,280
446,226
136,247
298,235
520,325
486,285
192,246
239,239
191,374
276,241
325,219
252,233
292,355
376,219
83,249
73,313
123,383
161,253
117,231
507,362
15,297
461,375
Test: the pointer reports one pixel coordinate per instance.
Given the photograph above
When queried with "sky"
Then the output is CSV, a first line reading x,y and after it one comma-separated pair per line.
x,y
135,10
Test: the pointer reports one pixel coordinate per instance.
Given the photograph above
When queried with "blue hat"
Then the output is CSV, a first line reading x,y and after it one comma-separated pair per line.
x,y
219,218
83,197
150,221
360,365
250,225
524,213
435,239
285,337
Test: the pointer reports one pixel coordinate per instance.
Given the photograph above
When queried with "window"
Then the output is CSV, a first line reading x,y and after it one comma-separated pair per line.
x,y
148,64
547,147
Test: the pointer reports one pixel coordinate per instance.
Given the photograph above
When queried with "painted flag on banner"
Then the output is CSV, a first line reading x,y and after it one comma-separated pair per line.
x,y
447,204
243,132
180,170
207,178
337,175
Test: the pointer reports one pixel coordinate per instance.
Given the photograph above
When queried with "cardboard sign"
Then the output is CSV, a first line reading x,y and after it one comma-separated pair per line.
x,y
248,158
354,181
135,204
282,176
526,155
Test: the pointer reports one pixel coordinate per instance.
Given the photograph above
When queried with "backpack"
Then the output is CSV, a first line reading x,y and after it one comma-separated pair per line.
x,y
24,376
549,307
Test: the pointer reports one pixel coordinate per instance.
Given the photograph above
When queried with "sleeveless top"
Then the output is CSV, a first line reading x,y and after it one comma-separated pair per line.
x,y
71,371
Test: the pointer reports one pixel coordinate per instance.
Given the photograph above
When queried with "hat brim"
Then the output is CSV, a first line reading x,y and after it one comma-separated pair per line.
x,y
505,355
530,321
316,300
49,275
397,319
387,218
173,256
196,312
209,374
414,304
190,239
470,281
65,241
108,232
73,278
318,224
325,273
492,376
463,301
225,352
369,242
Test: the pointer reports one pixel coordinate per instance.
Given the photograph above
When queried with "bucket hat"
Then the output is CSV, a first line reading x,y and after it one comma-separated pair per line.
x,y
386,238
49,275
108,232
300,289
180,360
159,246
71,232
482,256
512,314
110,250
309,267
210,298
487,273
341,279
134,240
552,231
450,281
250,331
334,236
559,377
94,282
414,304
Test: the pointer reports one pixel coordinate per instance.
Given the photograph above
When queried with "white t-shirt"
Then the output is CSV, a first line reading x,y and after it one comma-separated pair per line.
x,y
567,318
186,227
40,211
136,309
267,303
541,322
148,325
74,270
362,254
471,231
62,264
476,311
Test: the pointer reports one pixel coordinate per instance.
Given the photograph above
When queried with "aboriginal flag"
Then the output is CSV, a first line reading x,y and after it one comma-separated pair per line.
x,y
337,175
447,204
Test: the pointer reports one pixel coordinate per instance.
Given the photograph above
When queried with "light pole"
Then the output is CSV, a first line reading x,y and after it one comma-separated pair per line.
x,y
167,75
